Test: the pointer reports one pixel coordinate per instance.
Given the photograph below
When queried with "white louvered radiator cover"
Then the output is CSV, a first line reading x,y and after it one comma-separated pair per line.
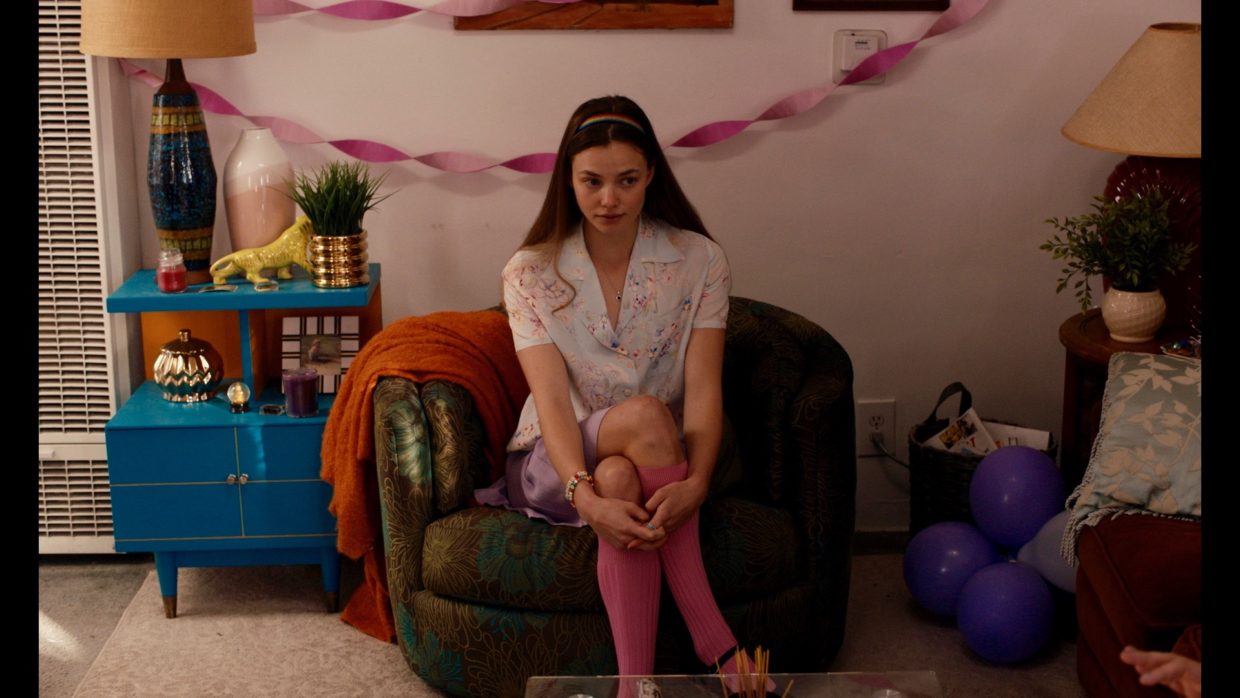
x,y
75,377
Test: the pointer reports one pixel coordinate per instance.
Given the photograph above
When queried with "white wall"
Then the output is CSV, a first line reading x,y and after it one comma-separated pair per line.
x,y
904,217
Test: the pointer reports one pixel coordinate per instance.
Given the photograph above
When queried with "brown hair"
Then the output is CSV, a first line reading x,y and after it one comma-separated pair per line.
x,y
560,215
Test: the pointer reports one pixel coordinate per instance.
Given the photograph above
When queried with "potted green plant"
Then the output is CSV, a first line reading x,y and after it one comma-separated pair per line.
x,y
335,198
1128,241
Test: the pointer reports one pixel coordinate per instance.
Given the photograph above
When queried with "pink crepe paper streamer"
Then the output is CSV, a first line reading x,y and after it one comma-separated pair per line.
x,y
379,10
960,12
369,151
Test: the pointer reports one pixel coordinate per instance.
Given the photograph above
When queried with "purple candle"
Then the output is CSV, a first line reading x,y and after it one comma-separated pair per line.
x,y
301,396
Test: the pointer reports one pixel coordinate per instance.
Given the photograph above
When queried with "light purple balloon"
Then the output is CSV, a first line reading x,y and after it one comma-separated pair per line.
x,y
1042,553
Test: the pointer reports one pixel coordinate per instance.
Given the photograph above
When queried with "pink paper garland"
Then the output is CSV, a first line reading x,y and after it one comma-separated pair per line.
x,y
379,10
960,12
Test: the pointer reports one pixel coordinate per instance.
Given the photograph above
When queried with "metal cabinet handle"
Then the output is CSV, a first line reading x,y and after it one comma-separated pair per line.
x,y
232,480
244,478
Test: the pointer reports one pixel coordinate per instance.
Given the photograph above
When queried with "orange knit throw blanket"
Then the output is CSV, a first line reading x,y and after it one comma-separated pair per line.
x,y
472,349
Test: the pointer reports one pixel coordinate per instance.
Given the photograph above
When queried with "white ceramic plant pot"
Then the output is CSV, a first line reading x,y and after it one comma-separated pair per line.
x,y
1133,316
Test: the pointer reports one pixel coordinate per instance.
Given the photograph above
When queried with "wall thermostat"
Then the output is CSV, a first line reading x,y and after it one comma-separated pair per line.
x,y
852,46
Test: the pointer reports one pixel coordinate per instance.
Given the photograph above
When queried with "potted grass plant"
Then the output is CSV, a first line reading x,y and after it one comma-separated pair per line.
x,y
335,198
1127,241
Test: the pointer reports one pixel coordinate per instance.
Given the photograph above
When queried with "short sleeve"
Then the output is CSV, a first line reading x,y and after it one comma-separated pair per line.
x,y
713,308
521,284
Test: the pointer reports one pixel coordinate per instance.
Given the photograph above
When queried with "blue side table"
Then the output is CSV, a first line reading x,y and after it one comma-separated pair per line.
x,y
201,486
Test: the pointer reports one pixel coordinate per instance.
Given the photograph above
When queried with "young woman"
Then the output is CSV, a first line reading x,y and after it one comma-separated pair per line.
x,y
618,300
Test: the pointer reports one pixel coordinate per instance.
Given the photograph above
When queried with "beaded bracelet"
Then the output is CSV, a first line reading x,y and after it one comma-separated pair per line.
x,y
571,487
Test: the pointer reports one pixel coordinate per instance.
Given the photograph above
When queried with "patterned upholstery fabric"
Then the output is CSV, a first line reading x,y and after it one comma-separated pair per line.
x,y
1147,455
485,598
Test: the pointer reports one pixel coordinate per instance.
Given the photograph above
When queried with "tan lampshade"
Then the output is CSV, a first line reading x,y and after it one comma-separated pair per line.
x,y
167,28
1150,102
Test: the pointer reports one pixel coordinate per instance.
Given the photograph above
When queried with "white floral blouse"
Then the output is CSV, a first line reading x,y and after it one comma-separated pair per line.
x,y
677,280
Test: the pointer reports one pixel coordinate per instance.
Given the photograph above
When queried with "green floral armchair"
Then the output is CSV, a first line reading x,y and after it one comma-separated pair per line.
x,y
485,598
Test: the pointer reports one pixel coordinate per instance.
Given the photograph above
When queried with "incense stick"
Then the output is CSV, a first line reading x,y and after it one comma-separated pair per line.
x,y
751,676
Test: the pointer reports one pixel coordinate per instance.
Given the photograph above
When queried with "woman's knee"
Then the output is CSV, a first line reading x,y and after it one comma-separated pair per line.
x,y
651,426
616,477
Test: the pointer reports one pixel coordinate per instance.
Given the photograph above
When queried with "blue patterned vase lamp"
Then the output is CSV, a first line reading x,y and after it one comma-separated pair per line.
x,y
181,173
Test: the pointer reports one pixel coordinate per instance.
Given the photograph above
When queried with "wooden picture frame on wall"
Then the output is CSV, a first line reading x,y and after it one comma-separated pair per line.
x,y
606,14
871,5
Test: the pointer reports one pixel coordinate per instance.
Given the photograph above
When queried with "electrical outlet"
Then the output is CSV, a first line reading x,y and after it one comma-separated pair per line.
x,y
876,416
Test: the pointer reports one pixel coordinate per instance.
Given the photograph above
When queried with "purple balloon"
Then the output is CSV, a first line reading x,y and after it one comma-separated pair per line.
x,y
1014,491
1006,612
940,559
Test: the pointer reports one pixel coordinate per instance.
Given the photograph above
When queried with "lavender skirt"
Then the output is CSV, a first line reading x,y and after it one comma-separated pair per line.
x,y
531,485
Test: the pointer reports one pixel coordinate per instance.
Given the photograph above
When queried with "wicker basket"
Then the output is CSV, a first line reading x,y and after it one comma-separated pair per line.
x,y
938,480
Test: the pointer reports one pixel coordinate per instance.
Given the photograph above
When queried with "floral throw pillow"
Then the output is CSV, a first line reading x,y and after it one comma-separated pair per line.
x,y
1147,456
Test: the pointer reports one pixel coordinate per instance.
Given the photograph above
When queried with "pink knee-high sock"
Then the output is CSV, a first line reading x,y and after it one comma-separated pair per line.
x,y
629,583
681,556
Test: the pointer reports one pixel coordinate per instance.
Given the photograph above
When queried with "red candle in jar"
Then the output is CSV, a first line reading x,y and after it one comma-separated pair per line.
x,y
170,275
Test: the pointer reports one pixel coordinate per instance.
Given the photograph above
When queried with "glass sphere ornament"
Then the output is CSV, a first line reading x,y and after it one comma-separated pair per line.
x,y
239,397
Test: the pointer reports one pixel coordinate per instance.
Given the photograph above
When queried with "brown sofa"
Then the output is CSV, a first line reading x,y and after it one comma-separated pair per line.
x,y
1135,523
1138,583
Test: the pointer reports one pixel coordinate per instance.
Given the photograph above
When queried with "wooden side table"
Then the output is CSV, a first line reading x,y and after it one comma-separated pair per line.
x,y
1085,375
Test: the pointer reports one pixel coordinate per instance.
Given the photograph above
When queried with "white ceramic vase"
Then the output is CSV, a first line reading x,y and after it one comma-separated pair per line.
x,y
1133,316
257,176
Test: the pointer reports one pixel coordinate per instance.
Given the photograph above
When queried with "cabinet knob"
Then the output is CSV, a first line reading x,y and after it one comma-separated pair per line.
x,y
232,479
244,478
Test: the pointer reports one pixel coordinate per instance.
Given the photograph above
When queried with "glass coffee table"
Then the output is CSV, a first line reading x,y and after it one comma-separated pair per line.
x,y
891,684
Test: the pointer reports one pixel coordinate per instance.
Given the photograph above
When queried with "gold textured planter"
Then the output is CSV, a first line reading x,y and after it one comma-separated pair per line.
x,y
338,261
188,369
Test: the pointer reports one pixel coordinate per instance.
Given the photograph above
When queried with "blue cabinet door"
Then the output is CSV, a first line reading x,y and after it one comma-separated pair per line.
x,y
146,456
287,509
286,450
163,512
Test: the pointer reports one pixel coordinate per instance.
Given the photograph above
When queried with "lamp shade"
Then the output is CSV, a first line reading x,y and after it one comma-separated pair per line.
x,y
167,28
1150,102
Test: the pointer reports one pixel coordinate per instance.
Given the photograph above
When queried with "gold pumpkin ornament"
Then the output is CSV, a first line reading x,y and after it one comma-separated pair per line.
x,y
188,369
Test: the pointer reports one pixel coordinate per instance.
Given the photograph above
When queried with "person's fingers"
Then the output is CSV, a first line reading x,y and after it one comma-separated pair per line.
x,y
636,513
617,543
653,545
1142,660
658,518
649,536
1163,672
656,499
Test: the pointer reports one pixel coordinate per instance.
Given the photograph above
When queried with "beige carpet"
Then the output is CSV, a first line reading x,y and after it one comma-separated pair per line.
x,y
258,631
262,631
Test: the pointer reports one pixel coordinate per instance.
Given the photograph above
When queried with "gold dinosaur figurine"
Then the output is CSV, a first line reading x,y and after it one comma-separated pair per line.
x,y
280,254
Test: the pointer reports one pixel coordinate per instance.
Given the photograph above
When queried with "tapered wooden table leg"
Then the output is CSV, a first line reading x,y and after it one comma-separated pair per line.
x,y
333,600
170,607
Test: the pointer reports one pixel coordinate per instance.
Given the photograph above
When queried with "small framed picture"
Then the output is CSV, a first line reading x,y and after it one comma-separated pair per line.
x,y
326,343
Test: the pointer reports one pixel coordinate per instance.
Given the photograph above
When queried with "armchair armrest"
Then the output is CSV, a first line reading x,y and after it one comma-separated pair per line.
x,y
405,478
429,457
788,391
